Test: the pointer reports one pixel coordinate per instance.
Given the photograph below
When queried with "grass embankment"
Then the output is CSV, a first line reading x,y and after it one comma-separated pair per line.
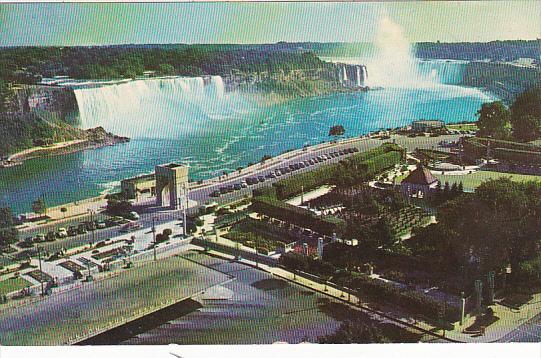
x,y
12,285
473,180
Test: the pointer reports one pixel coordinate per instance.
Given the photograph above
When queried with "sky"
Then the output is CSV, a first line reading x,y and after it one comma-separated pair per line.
x,y
71,24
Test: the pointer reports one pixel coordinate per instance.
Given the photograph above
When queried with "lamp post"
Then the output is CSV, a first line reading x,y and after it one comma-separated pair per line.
x,y
40,270
91,226
154,235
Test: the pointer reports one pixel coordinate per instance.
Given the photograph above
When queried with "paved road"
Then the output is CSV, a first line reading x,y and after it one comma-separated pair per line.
x,y
202,194
529,331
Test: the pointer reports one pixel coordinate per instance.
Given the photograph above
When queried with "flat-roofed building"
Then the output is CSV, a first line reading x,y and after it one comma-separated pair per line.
x,y
136,187
427,125
168,184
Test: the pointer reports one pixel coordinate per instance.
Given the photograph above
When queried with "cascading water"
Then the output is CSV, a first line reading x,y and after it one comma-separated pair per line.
x,y
358,73
365,75
158,108
394,64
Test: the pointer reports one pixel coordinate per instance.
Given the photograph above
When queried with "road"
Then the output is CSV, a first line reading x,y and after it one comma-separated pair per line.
x,y
201,194
529,331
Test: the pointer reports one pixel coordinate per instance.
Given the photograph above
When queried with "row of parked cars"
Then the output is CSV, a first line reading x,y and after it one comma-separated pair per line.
x,y
73,230
283,171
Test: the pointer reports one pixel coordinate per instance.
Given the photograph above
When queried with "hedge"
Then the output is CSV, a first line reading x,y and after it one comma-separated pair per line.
x,y
408,298
371,162
378,290
502,149
275,208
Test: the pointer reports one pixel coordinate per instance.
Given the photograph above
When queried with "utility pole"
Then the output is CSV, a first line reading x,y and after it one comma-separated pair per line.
x,y
184,224
41,280
91,226
154,235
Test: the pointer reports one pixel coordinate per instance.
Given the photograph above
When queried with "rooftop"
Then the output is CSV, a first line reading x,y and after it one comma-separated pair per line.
x,y
420,176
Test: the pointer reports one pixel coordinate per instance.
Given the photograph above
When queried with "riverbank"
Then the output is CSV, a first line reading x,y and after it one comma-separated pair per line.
x,y
90,139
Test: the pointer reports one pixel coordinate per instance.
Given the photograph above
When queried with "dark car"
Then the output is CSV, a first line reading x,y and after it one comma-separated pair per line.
x,y
51,236
81,229
223,190
311,162
296,166
72,231
355,149
215,193
302,166
261,178
237,186
292,167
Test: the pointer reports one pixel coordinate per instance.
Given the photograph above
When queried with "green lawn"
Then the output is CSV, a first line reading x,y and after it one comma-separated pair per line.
x,y
12,285
472,181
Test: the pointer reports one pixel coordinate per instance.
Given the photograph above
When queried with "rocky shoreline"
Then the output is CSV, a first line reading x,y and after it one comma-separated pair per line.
x,y
89,139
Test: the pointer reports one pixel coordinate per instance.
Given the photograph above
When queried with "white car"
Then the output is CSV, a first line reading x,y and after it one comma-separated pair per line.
x,y
62,232
134,215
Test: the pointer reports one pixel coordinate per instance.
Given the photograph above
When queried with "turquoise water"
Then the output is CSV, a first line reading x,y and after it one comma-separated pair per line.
x,y
226,144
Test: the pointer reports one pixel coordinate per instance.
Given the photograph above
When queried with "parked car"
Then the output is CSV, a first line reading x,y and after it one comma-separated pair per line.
x,y
61,232
101,225
237,186
81,229
261,178
311,162
50,236
131,226
72,231
215,194
132,215
39,238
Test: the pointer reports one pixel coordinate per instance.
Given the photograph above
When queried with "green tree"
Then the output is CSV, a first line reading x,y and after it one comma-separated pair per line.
x,y
527,127
337,130
119,207
8,233
526,114
39,207
494,120
355,331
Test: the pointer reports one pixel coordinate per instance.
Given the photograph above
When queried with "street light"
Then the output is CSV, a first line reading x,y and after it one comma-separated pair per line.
x,y
41,271
154,235
91,226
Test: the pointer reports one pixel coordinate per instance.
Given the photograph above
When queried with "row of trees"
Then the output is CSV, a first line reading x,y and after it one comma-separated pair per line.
x,y
8,232
521,121
496,227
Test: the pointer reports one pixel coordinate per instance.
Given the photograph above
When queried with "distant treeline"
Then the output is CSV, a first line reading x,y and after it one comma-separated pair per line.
x,y
29,64
476,51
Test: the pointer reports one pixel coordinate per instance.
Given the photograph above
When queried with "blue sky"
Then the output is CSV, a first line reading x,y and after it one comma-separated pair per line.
x,y
106,23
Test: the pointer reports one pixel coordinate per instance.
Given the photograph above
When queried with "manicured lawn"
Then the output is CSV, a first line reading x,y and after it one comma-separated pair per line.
x,y
472,181
12,285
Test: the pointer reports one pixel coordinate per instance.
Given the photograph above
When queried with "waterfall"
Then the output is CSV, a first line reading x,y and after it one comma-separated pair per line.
x,y
358,75
157,108
365,75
